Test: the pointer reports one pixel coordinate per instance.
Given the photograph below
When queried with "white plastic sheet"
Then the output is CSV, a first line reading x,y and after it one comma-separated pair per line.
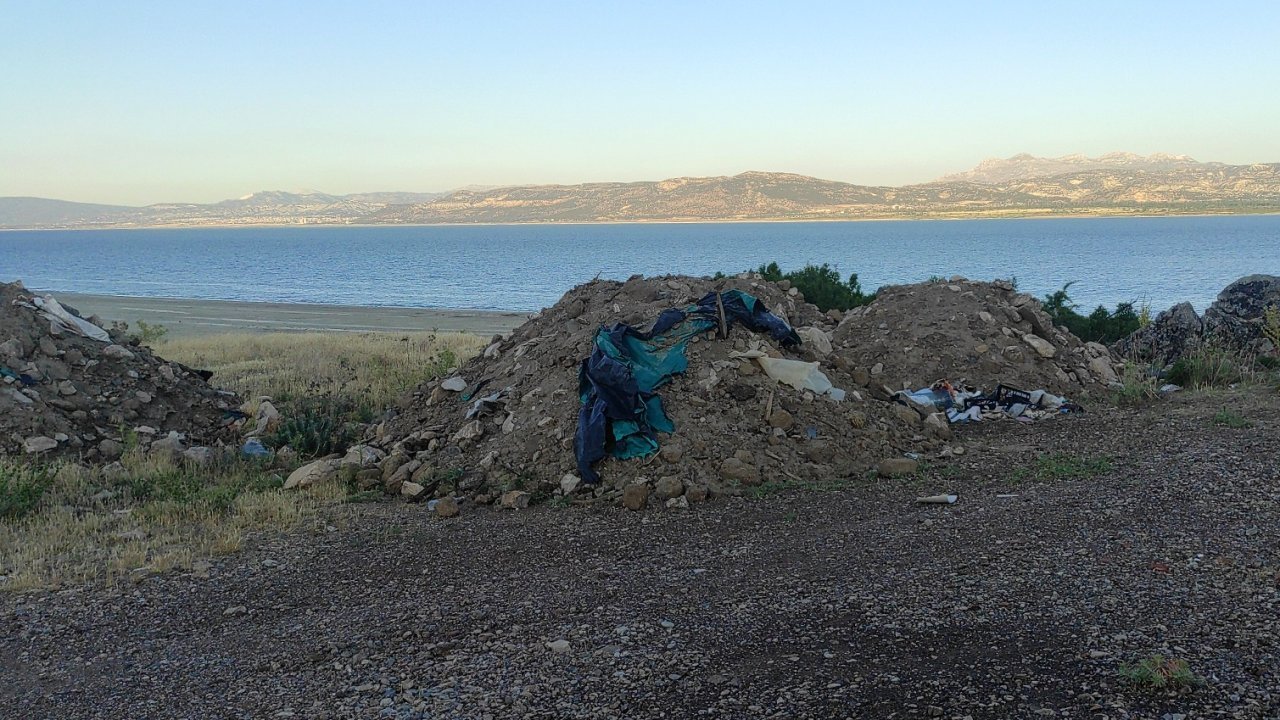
x,y
56,313
796,373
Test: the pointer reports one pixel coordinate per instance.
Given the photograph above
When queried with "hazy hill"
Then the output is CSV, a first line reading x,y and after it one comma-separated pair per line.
x,y
1115,184
1024,167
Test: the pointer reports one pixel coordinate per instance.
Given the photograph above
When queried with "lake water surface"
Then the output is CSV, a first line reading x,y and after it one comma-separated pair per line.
x,y
526,267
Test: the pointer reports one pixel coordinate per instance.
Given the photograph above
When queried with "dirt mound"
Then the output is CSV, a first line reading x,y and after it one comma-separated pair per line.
x,y
984,333
64,393
733,423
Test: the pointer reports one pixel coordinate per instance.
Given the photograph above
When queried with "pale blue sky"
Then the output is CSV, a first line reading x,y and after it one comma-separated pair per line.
x,y
140,102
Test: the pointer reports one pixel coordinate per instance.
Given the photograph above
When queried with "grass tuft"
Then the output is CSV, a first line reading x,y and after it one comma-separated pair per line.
x,y
1161,673
1063,466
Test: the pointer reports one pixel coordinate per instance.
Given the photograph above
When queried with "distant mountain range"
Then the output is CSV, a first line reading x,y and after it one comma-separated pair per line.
x,y
1114,184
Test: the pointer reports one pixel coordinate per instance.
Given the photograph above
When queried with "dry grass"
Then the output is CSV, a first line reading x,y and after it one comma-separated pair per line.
x,y
85,528
373,369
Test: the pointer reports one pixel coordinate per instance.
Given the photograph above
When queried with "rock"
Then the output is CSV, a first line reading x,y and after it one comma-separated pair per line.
x,y
468,432
454,384
781,419
1101,369
671,452
117,352
1173,334
39,444
1043,348
635,495
412,491
815,339
363,456
235,610
678,503
368,479
447,507
168,446
1236,318
905,414
696,492
314,473
199,456
1040,323
558,647
514,500
877,368
936,425
734,469
986,317
266,419
110,449
1013,354
897,467
570,483
668,487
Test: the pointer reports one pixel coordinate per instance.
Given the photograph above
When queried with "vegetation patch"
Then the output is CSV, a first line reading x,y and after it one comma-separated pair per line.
x,y
1161,673
68,524
821,285
1101,325
1227,417
1062,466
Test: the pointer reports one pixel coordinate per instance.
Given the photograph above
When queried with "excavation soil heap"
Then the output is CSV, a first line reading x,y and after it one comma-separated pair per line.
x,y
506,422
69,388
982,333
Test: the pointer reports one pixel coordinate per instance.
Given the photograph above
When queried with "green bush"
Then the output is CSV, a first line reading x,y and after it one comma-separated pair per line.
x,y
1101,325
1208,366
316,427
821,285
20,490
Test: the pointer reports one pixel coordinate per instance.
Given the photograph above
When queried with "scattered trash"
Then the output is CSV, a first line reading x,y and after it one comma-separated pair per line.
x,y
253,447
938,499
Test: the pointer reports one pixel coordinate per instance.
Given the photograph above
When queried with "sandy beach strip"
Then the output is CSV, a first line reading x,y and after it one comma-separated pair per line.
x,y
193,318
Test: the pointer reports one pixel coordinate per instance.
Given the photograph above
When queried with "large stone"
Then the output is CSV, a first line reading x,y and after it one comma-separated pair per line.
x,y
117,352
635,495
39,444
569,483
514,500
735,469
815,339
1102,369
1043,348
363,456
1174,333
668,487
781,419
905,414
169,446
314,473
897,467
412,491
447,507
936,425
1236,319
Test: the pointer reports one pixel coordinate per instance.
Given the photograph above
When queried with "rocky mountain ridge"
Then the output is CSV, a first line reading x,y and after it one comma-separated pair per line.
x,y
1022,186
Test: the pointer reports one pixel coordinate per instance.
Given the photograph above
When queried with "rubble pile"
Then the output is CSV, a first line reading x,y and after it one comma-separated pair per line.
x,y
68,388
503,427
977,333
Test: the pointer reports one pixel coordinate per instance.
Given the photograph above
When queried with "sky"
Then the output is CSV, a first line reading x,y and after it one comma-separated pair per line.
x,y
139,102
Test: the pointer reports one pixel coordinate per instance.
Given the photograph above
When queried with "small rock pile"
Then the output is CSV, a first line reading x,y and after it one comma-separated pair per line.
x,y
66,395
981,333
734,425
1237,321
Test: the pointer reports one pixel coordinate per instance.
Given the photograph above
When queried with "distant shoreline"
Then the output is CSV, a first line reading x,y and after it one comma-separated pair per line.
x,y
1021,215
185,318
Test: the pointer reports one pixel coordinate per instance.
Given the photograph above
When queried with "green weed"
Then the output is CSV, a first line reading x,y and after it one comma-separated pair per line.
x,y
1161,673
21,489
1062,466
1230,418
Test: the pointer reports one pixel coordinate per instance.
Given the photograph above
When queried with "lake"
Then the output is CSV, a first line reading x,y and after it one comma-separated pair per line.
x,y
526,267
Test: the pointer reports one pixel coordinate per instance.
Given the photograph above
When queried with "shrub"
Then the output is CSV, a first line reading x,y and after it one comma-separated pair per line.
x,y
20,490
821,285
1209,365
149,333
1101,325
316,427
1136,386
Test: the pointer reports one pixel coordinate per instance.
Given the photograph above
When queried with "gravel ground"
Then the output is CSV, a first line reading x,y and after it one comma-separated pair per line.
x,y
804,604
